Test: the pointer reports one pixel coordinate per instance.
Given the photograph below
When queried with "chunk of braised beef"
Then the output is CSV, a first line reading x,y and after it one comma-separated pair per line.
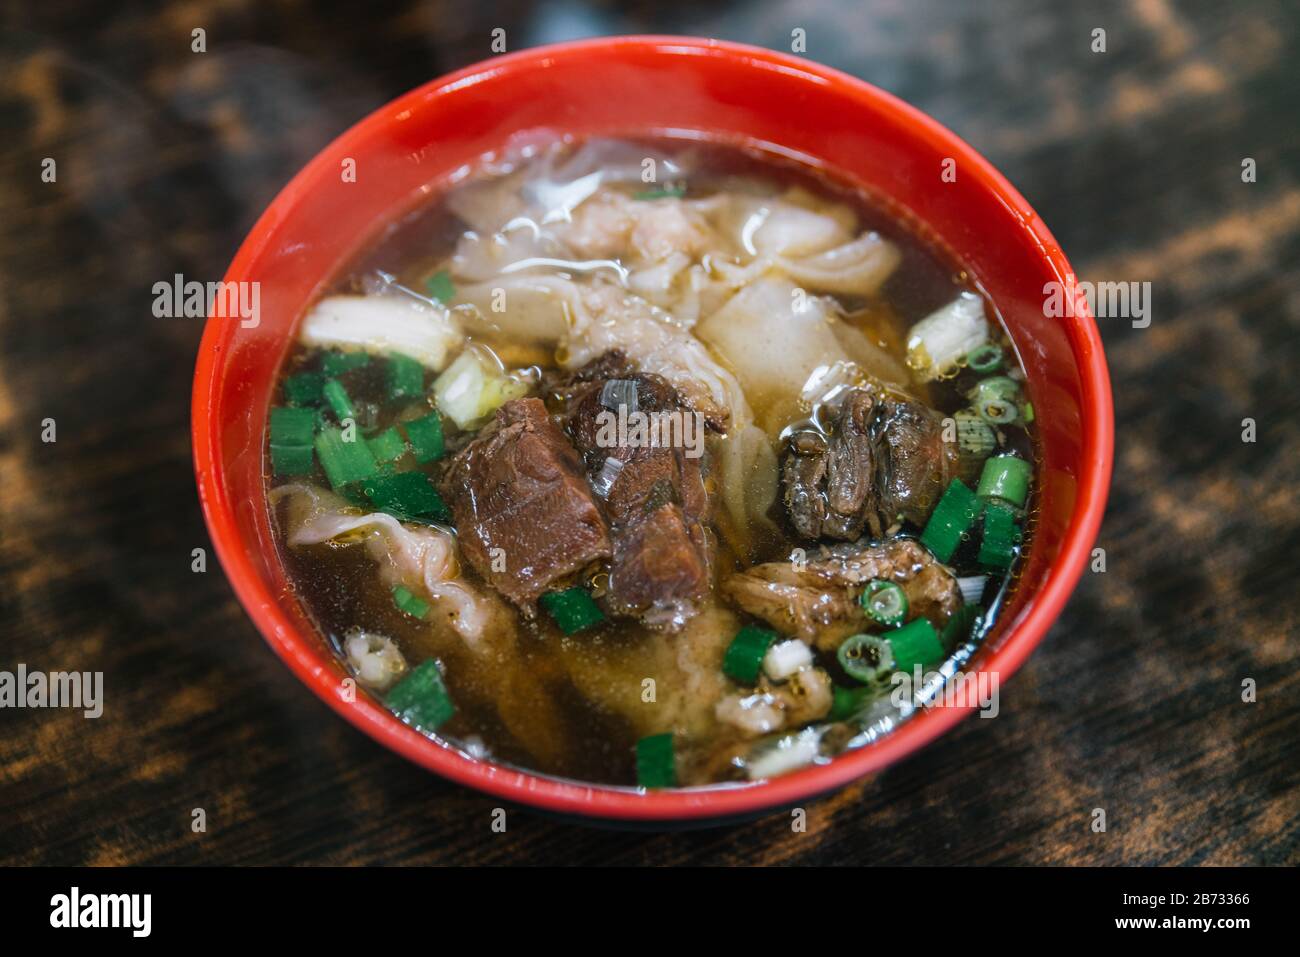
x,y
817,600
804,475
656,562
525,516
654,495
884,459
914,463
830,480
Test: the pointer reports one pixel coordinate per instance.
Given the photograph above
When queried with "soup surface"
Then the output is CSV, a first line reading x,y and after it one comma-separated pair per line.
x,y
651,463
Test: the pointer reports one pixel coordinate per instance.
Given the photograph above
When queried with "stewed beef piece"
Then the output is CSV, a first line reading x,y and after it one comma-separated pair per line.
x,y
883,460
653,491
817,600
525,515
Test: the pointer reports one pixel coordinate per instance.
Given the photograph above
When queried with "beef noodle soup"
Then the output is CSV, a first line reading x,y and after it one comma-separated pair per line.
x,y
651,463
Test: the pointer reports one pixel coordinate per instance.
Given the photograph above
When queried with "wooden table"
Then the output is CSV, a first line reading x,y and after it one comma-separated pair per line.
x,y
1134,704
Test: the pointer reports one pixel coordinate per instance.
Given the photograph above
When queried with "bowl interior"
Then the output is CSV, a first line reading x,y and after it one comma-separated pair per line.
x,y
427,139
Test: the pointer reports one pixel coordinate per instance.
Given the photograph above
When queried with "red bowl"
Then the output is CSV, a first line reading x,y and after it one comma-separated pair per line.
x,y
631,86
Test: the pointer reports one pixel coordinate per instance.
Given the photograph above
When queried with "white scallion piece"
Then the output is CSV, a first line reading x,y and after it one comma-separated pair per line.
x,y
382,325
472,388
972,588
785,658
788,754
939,341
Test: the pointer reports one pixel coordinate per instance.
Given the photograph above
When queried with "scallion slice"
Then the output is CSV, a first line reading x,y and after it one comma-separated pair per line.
x,y
304,388
337,363
407,494
656,765
865,658
1006,479
409,602
952,517
440,287
846,702
291,459
972,588
292,426
884,602
426,437
344,462
1001,535
338,399
405,377
985,358
961,625
974,435
421,698
744,656
916,643
387,446
573,610
997,411
995,387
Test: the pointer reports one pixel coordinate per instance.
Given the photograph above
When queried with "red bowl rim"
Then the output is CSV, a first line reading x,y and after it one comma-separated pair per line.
x,y
303,654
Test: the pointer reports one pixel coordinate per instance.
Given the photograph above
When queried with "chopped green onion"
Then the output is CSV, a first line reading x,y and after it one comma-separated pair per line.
x,y
1005,478
421,698
387,445
995,387
955,513
916,643
973,433
407,494
292,426
655,763
998,411
409,602
744,656
866,658
337,363
304,388
1028,411
846,702
961,625
405,377
291,459
1001,535
337,397
985,358
671,192
344,462
440,287
884,602
426,437
572,609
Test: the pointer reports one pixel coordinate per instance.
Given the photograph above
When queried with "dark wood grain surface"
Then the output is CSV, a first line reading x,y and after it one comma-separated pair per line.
x,y
1134,703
